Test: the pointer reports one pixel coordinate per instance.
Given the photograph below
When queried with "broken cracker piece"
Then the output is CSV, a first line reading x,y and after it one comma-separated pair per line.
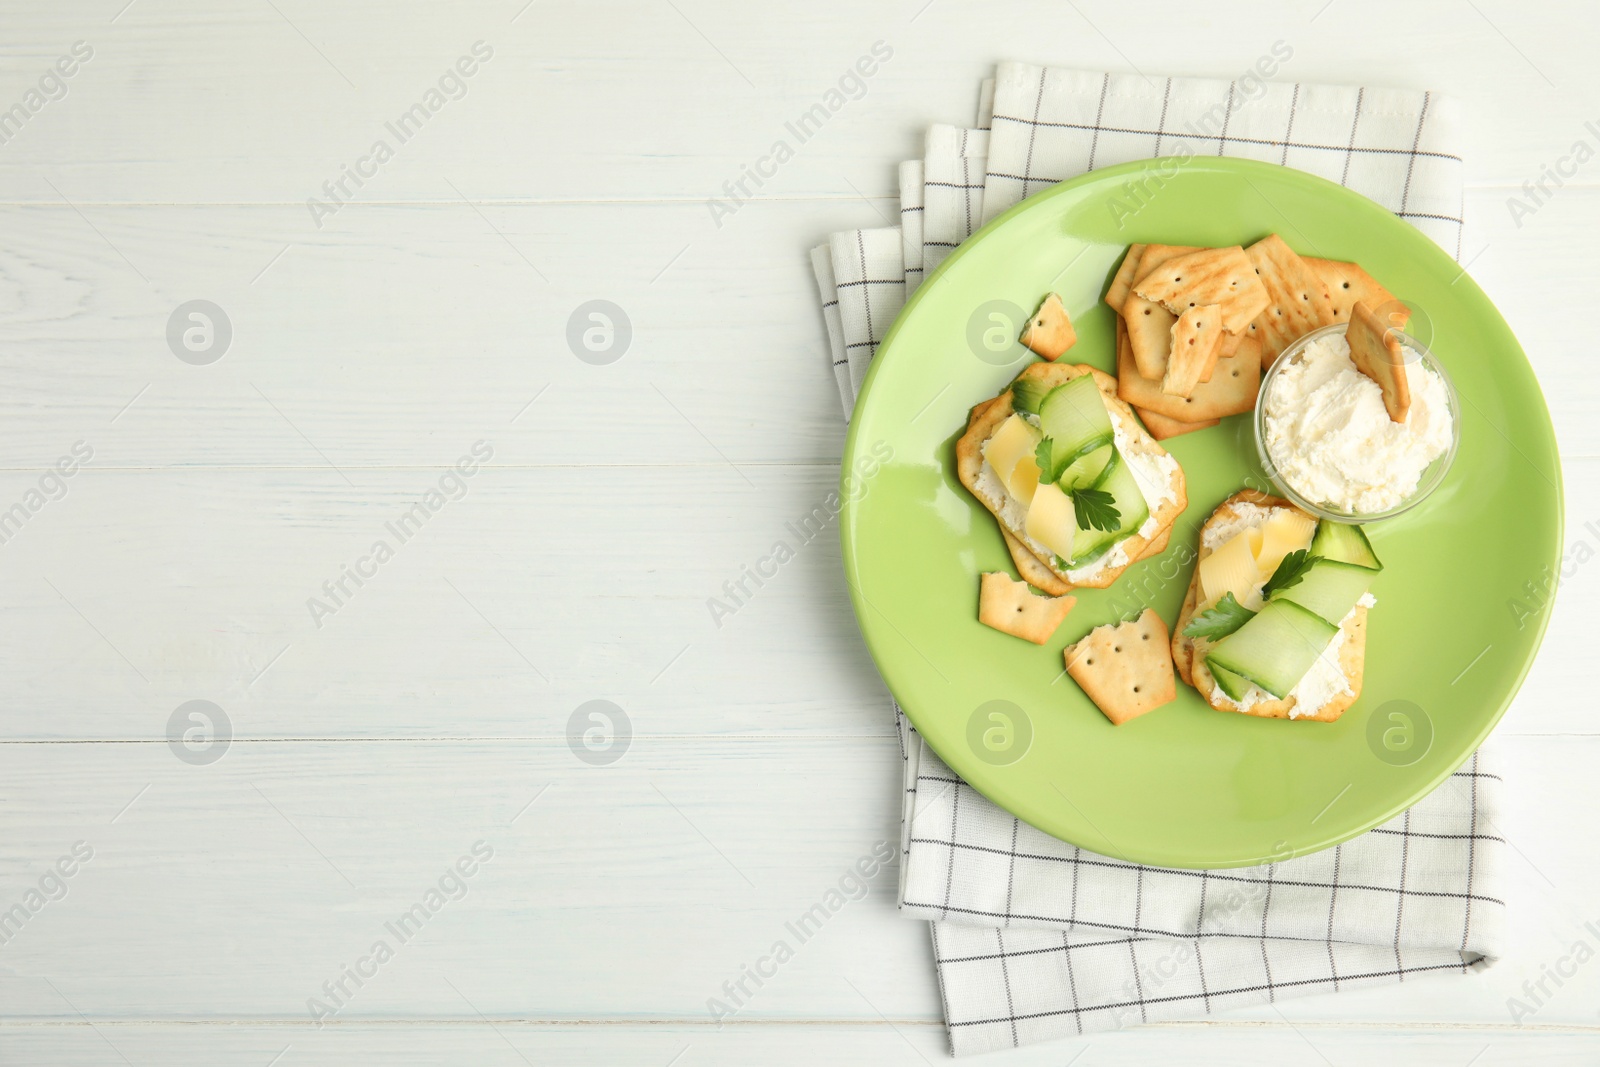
x,y
1162,426
1150,324
1347,283
1049,332
1196,341
1231,390
1377,353
1013,608
1221,276
1117,294
1125,669
1298,302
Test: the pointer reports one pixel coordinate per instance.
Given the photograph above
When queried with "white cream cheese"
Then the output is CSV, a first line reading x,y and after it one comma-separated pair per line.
x,y
1324,680
1245,516
1153,473
1331,439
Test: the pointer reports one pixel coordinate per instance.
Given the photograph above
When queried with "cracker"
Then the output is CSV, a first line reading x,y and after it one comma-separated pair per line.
x,y
987,417
1298,302
1347,283
1376,352
1032,568
1162,426
1150,324
1049,332
1231,390
1230,345
1013,608
1158,543
1117,294
1196,344
1183,647
1188,653
1224,277
1125,669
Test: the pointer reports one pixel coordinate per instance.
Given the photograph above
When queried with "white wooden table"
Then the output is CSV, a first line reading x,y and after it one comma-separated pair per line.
x,y
381,334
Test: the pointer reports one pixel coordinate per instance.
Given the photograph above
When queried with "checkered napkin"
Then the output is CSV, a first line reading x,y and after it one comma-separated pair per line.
x,y
1035,939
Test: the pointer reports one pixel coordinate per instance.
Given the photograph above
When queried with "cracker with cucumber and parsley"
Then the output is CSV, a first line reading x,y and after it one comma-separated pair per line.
x,y
1070,475
1275,620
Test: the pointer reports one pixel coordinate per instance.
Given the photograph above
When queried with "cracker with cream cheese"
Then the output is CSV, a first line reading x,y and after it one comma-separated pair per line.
x,y
970,468
1188,653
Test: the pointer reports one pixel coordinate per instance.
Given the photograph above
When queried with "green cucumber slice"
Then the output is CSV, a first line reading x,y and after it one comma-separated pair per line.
x,y
1231,684
1329,589
1027,394
1089,468
1089,544
1074,415
1276,648
1118,480
1344,542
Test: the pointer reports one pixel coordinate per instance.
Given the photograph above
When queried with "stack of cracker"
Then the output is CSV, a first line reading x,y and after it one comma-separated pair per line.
x,y
1196,327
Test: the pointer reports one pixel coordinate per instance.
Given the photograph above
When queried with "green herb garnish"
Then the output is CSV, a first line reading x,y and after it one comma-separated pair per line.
x,y
1291,569
1219,620
1096,509
1050,466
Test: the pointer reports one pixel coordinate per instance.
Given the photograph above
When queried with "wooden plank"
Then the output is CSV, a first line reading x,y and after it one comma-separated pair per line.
x,y
509,1044
635,890
412,329
184,102
143,589
414,332
496,616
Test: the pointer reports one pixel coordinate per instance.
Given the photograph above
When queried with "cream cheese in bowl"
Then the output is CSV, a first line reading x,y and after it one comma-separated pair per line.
x,y
1330,445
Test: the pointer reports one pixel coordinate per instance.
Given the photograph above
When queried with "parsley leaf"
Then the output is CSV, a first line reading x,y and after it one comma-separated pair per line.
x,y
1219,620
1050,468
1290,571
1096,509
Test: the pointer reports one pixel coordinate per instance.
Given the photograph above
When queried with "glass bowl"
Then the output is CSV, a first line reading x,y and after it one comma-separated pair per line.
x,y
1432,475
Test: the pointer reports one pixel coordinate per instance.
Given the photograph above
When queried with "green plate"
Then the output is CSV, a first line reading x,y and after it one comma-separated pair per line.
x,y
1459,614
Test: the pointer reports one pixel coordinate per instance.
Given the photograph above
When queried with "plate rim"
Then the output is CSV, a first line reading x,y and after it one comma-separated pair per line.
x,y
1242,168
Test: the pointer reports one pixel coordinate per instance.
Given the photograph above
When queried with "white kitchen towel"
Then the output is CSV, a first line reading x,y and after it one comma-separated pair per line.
x,y
1398,147
838,360
912,178
870,286
911,206
953,167
1035,939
